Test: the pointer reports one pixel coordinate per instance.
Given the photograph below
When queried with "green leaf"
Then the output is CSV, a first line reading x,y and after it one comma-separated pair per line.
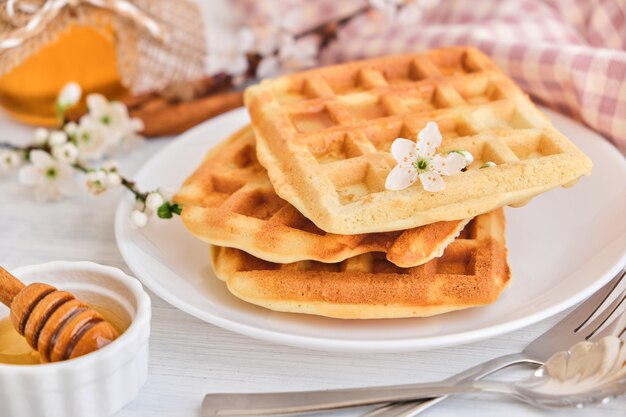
x,y
176,209
165,211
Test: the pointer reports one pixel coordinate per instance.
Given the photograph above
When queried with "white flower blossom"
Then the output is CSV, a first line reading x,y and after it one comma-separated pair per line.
x,y
267,39
387,7
91,140
229,53
409,14
154,201
292,54
70,128
268,67
10,159
50,179
418,160
40,136
66,153
113,179
96,182
57,138
113,116
111,166
138,219
68,96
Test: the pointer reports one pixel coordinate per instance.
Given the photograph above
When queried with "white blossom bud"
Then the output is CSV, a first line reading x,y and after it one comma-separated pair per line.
x,y
488,164
71,128
57,138
111,166
154,201
96,182
138,219
9,159
469,158
113,179
68,96
40,136
66,153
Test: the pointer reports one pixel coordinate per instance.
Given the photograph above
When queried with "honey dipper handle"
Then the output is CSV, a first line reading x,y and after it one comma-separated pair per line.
x,y
9,287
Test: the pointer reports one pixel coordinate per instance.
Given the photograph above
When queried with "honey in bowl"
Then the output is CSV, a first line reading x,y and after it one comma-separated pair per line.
x,y
13,347
14,350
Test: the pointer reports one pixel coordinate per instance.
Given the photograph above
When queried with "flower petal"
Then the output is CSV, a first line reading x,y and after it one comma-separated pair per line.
x,y
428,139
69,94
136,124
307,47
40,158
268,67
97,105
432,182
450,164
29,175
246,39
400,177
119,111
238,66
403,151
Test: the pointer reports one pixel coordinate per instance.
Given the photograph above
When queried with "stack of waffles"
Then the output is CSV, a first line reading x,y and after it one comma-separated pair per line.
x,y
295,205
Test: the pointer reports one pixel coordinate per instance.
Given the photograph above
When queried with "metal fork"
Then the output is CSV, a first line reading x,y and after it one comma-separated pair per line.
x,y
610,299
588,321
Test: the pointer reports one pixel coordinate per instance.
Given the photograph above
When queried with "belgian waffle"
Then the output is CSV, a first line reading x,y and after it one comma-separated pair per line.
x,y
229,201
473,271
324,135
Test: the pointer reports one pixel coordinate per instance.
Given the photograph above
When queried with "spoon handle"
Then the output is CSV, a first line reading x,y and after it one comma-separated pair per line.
x,y
307,401
9,287
292,402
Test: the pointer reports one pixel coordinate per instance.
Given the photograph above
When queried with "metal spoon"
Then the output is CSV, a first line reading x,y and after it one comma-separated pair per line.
x,y
587,373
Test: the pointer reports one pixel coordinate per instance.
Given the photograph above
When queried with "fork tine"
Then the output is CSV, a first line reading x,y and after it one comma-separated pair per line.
x,y
610,315
587,315
616,288
616,328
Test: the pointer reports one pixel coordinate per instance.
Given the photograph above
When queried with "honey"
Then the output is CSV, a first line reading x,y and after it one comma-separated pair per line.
x,y
15,350
83,54
13,347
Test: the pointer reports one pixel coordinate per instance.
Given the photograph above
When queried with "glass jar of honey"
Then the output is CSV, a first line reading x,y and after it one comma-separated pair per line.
x,y
84,54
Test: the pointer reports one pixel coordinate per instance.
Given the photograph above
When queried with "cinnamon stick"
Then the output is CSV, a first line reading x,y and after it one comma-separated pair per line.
x,y
164,118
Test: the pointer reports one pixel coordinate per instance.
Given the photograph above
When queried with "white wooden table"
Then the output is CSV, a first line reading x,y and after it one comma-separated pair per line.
x,y
190,357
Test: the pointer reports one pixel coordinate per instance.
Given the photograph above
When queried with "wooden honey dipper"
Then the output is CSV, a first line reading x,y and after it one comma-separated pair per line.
x,y
54,322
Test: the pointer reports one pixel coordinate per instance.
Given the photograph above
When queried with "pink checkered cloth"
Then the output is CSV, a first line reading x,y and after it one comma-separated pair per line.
x,y
569,55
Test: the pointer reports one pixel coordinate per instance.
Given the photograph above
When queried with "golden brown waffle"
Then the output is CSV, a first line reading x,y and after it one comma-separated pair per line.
x,y
473,271
324,135
229,201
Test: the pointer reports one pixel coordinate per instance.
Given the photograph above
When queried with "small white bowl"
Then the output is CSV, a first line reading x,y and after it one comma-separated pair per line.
x,y
94,385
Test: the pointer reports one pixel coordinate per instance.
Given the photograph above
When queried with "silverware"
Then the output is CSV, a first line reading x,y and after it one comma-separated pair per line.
x,y
588,321
586,373
536,351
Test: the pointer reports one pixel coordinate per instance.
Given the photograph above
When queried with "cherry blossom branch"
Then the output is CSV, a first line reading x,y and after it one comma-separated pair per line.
x,y
300,50
47,163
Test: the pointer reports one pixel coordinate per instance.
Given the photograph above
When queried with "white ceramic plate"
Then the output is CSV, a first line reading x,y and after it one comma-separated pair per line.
x,y
563,246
